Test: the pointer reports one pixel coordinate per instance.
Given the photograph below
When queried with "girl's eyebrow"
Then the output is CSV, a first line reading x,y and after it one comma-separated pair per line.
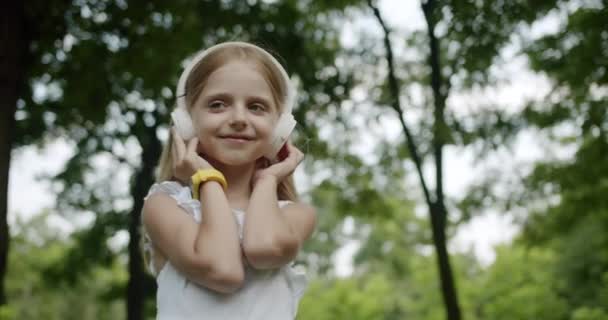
x,y
218,95
264,100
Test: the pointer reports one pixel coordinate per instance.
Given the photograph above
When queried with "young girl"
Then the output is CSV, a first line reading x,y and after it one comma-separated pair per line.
x,y
223,223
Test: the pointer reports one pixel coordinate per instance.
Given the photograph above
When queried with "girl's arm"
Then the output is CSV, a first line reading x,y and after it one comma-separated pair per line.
x,y
208,253
272,236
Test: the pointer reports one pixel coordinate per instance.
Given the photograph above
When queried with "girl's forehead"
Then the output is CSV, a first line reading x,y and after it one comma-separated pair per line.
x,y
238,77
236,67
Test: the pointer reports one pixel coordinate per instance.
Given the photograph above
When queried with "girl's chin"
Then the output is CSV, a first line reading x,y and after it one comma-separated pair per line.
x,y
232,160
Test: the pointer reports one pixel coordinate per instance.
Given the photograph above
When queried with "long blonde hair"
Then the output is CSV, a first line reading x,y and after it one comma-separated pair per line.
x,y
197,80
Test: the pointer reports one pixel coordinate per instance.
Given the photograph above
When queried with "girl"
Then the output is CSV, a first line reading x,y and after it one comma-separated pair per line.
x,y
223,223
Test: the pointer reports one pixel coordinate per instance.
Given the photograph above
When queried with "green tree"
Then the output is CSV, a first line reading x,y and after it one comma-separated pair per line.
x,y
521,284
563,198
574,214
36,294
10,74
461,41
371,297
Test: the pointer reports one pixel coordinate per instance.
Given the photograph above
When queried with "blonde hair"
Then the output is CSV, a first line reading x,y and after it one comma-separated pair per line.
x,y
197,80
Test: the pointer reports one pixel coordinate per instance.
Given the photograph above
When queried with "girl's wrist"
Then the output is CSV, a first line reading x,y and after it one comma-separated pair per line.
x,y
266,179
207,185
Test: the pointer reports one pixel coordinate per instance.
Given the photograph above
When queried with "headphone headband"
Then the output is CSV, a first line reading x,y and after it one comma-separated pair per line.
x,y
180,92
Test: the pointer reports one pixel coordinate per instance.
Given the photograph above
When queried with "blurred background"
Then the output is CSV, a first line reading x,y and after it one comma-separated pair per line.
x,y
455,150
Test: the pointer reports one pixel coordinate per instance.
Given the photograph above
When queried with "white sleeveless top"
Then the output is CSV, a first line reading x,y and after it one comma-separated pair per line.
x,y
266,294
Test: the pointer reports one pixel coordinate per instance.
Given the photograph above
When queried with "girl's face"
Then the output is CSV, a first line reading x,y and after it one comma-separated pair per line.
x,y
235,115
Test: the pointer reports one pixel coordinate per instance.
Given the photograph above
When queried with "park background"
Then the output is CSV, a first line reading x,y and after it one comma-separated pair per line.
x,y
455,151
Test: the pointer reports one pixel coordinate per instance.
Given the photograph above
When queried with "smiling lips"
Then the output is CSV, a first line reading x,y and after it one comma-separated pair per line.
x,y
237,138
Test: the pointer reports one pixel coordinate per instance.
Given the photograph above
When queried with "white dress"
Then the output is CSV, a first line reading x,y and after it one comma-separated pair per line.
x,y
266,294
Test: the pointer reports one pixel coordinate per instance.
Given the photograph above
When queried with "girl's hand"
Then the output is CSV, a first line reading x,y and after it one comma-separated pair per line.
x,y
282,169
185,159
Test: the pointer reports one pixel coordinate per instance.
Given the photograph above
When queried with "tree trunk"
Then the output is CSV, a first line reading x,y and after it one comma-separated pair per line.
x,y
143,180
11,51
448,288
437,208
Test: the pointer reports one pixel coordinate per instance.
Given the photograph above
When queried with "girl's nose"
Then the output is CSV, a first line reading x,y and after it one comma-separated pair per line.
x,y
239,118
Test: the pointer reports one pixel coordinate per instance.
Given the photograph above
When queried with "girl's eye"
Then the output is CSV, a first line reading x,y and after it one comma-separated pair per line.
x,y
257,107
216,105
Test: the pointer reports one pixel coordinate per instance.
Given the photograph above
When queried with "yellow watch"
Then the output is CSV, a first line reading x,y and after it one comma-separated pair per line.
x,y
204,175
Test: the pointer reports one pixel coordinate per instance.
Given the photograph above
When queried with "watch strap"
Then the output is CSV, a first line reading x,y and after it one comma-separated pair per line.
x,y
204,175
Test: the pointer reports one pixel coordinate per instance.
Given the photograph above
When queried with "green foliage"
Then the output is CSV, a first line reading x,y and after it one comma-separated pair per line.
x,y
583,36
521,284
371,297
33,295
585,313
575,224
7,312
575,58
475,31
565,199
389,246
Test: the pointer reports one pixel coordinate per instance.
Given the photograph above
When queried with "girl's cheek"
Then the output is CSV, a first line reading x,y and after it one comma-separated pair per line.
x,y
269,125
204,144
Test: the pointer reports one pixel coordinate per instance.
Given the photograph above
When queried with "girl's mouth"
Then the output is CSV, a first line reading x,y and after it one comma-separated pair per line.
x,y
236,140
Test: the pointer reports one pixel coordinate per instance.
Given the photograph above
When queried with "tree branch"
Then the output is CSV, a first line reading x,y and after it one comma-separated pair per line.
x,y
394,88
437,210
438,96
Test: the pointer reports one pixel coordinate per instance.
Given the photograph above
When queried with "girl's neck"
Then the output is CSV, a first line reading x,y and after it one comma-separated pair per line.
x,y
239,183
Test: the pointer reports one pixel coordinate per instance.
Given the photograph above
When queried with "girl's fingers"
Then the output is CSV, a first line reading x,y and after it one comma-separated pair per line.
x,y
294,153
173,147
179,145
290,163
192,144
293,148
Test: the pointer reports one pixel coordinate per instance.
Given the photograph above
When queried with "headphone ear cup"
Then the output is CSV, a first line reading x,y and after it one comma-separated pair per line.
x,y
183,123
281,133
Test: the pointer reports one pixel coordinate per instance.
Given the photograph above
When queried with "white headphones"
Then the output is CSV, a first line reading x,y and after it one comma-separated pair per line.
x,y
286,124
